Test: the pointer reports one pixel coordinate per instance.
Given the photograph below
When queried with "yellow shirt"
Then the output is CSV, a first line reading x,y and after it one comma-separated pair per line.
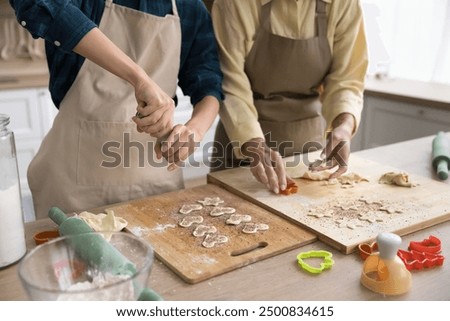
x,y
236,23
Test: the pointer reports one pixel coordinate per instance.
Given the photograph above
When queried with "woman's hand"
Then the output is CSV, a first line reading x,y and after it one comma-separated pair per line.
x,y
155,109
183,140
181,143
265,164
337,150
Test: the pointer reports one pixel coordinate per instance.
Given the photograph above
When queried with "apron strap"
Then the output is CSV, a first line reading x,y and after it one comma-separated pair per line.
x,y
265,16
321,18
174,8
108,3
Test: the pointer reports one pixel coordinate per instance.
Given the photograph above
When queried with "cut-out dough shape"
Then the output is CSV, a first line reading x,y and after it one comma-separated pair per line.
x,y
390,210
189,220
201,230
219,210
251,228
342,223
394,178
212,240
320,215
236,219
370,201
214,201
370,217
188,208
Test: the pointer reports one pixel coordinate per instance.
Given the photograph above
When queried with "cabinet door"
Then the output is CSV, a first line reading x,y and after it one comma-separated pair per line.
x,y
31,115
388,121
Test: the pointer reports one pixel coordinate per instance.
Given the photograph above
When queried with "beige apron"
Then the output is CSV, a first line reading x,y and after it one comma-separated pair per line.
x,y
93,154
285,75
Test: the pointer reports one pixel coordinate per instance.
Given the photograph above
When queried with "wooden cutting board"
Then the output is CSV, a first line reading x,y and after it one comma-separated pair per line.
x,y
352,221
156,220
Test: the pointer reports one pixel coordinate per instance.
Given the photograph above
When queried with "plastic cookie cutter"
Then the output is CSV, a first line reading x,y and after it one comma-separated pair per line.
x,y
326,264
291,188
366,249
430,245
385,272
45,236
419,260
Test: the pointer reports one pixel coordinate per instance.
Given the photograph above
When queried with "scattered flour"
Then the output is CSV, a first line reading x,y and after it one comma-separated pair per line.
x,y
100,289
162,227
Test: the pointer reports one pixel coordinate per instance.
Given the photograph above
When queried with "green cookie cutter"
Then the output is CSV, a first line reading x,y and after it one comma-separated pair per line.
x,y
326,264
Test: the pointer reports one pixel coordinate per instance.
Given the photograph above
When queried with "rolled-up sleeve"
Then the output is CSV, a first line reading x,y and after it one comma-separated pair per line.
x,y
200,73
234,31
57,21
344,85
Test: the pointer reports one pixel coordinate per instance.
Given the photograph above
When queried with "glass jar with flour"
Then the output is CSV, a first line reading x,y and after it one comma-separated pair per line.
x,y
12,235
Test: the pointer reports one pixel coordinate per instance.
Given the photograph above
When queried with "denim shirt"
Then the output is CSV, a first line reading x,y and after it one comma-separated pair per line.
x,y
63,23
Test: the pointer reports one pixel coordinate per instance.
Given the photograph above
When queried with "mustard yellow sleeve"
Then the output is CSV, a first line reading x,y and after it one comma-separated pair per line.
x,y
344,84
234,24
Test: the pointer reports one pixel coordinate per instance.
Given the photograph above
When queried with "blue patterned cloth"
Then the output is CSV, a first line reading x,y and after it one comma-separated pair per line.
x,y
62,23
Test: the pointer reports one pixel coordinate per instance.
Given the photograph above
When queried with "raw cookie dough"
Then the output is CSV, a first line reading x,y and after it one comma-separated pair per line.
x,y
187,208
317,176
214,201
236,219
351,179
250,228
104,222
189,220
347,180
218,211
201,230
212,239
396,178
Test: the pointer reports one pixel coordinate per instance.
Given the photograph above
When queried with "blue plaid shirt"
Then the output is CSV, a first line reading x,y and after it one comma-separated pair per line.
x,y
65,22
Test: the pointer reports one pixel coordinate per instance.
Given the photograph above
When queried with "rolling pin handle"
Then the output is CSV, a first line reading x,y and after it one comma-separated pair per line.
x,y
442,169
57,215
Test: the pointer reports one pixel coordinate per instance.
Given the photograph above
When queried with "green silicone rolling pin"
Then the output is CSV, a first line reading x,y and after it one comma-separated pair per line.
x,y
441,155
93,248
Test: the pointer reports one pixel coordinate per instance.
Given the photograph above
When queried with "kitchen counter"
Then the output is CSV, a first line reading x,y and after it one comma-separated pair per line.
x,y
279,277
414,92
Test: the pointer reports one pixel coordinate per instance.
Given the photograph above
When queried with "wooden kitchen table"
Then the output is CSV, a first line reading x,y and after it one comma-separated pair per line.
x,y
279,277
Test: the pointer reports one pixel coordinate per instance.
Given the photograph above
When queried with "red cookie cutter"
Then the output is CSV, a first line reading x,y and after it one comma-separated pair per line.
x,y
430,245
418,260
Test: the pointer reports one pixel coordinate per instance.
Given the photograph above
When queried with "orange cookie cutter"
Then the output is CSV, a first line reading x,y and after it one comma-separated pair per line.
x,y
415,260
430,245
366,249
45,236
291,188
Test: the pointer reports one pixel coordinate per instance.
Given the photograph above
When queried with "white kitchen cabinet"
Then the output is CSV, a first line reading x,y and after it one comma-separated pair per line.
x,y
388,121
397,110
31,114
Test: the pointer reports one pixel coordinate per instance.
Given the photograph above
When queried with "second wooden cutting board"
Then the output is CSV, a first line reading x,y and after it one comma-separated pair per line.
x,y
156,220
